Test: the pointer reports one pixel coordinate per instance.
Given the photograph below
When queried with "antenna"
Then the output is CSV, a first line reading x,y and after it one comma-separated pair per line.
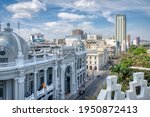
x,y
18,24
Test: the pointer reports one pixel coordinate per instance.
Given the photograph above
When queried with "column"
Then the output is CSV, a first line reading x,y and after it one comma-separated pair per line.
x,y
62,96
76,77
35,84
55,82
15,86
73,83
8,90
45,76
21,88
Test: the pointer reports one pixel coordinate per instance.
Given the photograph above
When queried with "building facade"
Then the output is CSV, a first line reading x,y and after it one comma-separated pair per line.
x,y
97,56
53,73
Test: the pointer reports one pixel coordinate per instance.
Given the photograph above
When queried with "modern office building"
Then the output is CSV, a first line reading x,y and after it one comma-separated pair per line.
x,y
137,41
49,73
120,32
37,38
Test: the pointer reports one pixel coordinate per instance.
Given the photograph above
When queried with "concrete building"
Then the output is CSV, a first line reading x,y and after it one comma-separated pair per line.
x,y
59,42
120,32
136,41
94,37
77,32
50,73
128,41
96,60
37,38
97,56
110,41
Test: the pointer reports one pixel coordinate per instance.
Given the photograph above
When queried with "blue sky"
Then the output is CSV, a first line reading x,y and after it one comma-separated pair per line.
x,y
56,18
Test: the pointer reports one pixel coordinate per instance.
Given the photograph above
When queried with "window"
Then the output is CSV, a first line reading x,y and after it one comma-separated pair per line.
x,y
95,62
90,67
3,60
90,62
1,90
2,53
80,62
95,67
95,57
1,93
87,67
90,57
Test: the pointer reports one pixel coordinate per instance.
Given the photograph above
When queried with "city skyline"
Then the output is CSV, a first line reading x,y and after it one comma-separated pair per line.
x,y
55,19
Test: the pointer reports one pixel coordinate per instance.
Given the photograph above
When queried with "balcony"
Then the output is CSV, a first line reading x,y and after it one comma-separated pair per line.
x,y
26,62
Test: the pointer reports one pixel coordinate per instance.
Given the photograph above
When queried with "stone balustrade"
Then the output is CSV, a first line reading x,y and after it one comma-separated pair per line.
x,y
138,89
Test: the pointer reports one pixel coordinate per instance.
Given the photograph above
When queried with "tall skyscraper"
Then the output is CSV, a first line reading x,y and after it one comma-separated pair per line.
x,y
120,30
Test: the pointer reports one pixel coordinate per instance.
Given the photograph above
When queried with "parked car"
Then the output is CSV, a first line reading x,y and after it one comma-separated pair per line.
x,y
81,91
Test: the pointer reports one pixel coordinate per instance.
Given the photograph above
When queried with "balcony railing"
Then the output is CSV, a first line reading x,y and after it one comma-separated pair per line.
x,y
50,87
41,92
27,62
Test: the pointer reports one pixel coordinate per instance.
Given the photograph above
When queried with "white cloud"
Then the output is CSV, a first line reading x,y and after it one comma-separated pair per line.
x,y
26,9
108,15
74,17
21,15
85,4
70,16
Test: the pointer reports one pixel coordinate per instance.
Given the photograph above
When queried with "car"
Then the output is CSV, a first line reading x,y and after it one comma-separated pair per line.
x,y
81,91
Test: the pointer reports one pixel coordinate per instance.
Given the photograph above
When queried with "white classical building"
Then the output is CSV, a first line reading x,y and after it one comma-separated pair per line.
x,y
52,74
97,56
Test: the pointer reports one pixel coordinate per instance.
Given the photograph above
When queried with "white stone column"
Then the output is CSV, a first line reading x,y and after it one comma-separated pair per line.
x,y
21,88
55,82
76,77
8,90
35,84
73,83
45,76
62,72
15,85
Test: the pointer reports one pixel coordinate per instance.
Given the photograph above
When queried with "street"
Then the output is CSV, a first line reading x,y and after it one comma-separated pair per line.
x,y
92,88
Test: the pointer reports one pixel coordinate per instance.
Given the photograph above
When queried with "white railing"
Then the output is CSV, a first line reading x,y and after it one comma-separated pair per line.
x,y
41,92
31,97
27,62
50,87
8,64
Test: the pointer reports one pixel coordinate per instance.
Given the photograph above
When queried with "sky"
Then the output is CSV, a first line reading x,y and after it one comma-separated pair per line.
x,y
57,18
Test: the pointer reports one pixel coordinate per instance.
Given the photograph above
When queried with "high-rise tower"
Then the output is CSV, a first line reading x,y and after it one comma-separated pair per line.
x,y
120,30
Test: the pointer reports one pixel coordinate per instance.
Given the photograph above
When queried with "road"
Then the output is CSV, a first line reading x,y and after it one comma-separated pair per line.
x,y
92,88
